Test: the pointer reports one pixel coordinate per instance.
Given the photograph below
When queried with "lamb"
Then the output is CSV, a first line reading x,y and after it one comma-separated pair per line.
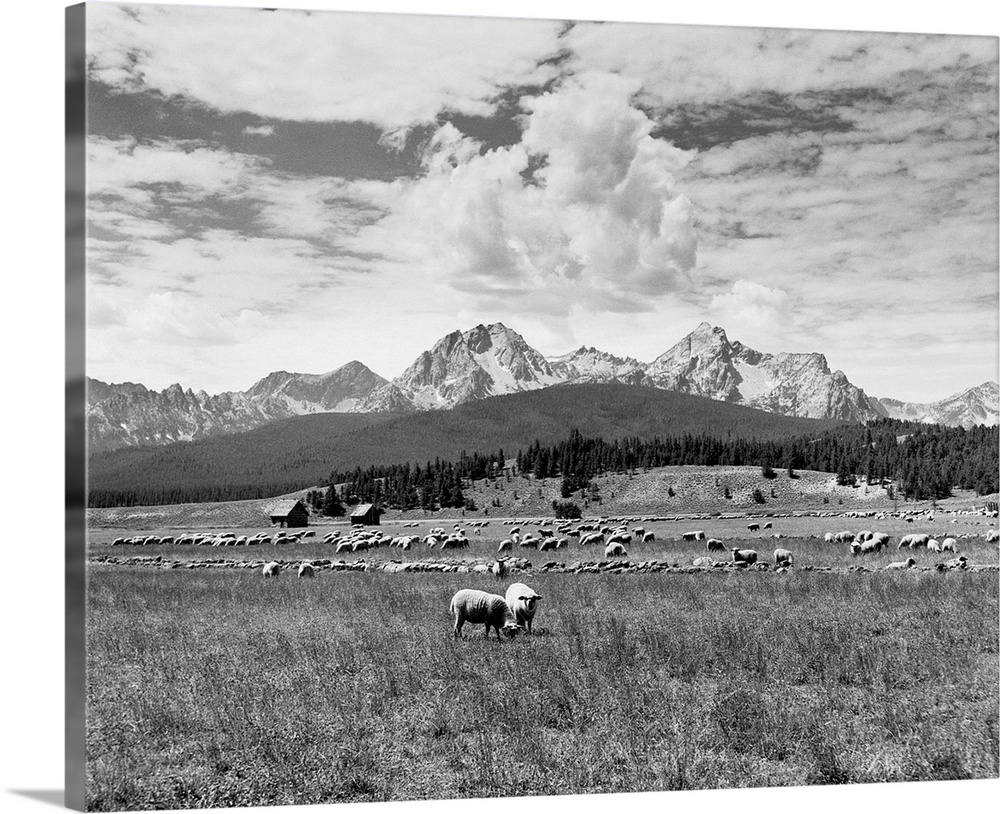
x,y
523,602
479,607
949,544
933,545
898,566
782,556
272,569
747,555
615,550
306,570
715,545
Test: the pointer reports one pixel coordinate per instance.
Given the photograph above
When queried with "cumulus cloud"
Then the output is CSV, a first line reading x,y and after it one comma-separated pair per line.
x,y
584,209
393,71
750,306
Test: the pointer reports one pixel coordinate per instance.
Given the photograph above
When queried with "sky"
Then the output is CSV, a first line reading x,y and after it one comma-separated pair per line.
x,y
282,190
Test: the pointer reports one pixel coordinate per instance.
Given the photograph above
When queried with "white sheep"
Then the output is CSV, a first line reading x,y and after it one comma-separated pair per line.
x,y
898,566
615,550
272,569
523,602
829,537
747,555
479,607
307,570
782,556
933,545
949,544
500,569
992,536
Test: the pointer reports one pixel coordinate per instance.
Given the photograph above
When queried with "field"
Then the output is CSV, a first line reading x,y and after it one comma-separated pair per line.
x,y
216,687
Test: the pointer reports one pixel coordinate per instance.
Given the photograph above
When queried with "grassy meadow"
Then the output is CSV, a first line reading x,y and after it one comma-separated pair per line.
x,y
221,688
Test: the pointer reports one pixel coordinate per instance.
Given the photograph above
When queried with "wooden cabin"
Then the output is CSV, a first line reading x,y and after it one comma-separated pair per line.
x,y
289,513
364,514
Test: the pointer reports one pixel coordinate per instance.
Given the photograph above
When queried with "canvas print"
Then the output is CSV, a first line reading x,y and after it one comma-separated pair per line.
x,y
483,407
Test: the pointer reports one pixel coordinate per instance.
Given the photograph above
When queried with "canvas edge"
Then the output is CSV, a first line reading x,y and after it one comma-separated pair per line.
x,y
75,453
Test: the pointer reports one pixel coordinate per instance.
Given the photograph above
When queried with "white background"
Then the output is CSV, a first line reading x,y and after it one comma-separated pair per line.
x,y
32,372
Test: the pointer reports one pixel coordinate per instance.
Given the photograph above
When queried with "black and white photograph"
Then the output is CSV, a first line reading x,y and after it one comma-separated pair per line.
x,y
518,407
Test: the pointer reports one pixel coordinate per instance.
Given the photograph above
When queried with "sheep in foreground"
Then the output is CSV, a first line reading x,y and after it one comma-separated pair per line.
x,y
479,607
307,570
271,569
523,602
747,555
782,556
899,566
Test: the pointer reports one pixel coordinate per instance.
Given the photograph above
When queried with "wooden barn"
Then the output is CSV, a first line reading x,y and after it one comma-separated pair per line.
x,y
290,513
364,514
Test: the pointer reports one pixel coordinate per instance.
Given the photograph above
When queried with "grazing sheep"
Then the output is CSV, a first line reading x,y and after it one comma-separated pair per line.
x,y
844,537
782,556
523,602
869,546
691,536
897,566
307,570
649,537
753,527
715,545
615,550
949,544
933,545
548,544
863,536
479,607
829,537
992,536
881,538
595,538
914,540
272,569
767,525
505,545
747,555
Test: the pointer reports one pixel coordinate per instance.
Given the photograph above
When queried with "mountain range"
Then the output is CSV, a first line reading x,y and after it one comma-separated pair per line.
x,y
493,360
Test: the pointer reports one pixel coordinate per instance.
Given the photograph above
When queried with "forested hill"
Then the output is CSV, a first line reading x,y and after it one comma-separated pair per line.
x,y
300,452
921,461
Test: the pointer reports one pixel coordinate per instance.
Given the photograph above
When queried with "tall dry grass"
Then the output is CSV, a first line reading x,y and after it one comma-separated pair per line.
x,y
218,688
